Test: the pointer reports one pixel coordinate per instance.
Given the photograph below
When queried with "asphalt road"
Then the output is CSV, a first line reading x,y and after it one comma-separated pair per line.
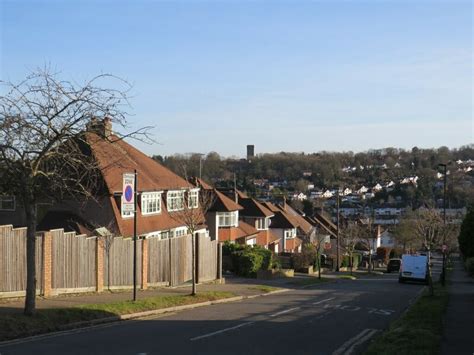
x,y
334,318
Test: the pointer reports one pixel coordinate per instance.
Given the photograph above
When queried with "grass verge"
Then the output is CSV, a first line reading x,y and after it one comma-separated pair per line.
x,y
418,331
264,288
14,325
347,277
309,281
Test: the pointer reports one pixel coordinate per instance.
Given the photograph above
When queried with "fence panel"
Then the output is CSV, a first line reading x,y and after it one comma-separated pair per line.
x,y
13,259
72,260
158,261
207,262
181,259
118,263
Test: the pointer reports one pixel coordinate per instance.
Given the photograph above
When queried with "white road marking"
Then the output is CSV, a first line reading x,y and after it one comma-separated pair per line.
x,y
327,299
350,308
285,311
352,342
361,341
221,331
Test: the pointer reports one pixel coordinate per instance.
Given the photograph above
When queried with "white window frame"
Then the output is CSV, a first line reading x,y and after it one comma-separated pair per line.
x,y
171,197
262,226
151,199
7,199
290,233
180,231
228,219
193,198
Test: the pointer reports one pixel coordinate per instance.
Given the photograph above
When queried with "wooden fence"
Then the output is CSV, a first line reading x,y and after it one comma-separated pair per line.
x,y
66,262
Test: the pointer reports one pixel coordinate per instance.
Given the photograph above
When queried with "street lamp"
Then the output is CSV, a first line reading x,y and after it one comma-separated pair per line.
x,y
443,272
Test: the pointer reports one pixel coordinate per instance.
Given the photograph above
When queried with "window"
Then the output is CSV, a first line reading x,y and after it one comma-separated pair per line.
x,y
179,232
263,223
151,203
7,203
175,200
228,219
290,234
193,199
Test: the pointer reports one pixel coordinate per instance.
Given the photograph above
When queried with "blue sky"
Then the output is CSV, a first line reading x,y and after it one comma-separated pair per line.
x,y
283,75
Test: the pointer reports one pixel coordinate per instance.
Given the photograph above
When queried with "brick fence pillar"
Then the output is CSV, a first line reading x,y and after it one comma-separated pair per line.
x,y
47,266
144,264
99,258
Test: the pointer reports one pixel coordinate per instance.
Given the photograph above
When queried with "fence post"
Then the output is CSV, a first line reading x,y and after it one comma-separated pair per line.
x,y
144,264
47,264
197,241
99,258
170,261
219,261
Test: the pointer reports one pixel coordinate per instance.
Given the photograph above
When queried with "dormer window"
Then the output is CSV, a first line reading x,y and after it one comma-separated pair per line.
x,y
228,219
151,203
175,200
263,223
193,198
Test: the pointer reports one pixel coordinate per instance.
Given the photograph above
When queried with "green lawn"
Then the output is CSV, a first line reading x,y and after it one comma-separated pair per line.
x,y
46,320
347,277
264,288
418,331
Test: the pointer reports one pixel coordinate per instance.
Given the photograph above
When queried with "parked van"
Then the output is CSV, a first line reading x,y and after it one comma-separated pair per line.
x,y
413,268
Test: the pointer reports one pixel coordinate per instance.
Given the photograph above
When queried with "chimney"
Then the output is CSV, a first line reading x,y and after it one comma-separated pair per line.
x,y
107,127
284,203
101,127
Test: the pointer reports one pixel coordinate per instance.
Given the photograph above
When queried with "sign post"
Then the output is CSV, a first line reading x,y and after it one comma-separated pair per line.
x,y
129,204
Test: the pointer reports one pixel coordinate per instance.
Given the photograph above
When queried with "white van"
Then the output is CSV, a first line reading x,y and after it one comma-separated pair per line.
x,y
413,268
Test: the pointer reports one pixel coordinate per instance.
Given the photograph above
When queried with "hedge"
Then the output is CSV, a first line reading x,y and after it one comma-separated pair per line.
x,y
247,260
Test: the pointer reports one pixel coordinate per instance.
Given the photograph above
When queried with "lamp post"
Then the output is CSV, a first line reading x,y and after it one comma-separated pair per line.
x,y
337,230
443,272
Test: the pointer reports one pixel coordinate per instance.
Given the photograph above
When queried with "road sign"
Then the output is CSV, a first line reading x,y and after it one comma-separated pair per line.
x,y
128,193
444,247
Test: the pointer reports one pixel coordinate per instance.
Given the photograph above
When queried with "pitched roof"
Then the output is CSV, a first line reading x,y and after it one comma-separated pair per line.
x,y
234,233
253,208
224,204
116,157
266,237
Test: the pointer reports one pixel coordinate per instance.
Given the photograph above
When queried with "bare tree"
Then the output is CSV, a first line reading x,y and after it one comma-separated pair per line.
x,y
192,215
319,240
350,237
43,125
367,238
429,230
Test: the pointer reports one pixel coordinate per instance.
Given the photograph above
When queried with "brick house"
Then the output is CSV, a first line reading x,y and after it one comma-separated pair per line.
x,y
161,193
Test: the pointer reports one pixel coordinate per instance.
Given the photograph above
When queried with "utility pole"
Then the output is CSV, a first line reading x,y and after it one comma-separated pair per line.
x,y
337,230
135,238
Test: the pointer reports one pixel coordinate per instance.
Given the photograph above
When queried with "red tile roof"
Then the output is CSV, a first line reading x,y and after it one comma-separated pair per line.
x,y
116,157
234,233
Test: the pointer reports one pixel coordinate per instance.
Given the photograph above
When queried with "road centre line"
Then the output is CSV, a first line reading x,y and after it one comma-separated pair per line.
x,y
221,331
285,311
348,343
327,299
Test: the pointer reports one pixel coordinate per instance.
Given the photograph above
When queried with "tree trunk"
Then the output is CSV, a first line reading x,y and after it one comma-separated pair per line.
x,y
193,242
319,265
370,260
30,299
351,261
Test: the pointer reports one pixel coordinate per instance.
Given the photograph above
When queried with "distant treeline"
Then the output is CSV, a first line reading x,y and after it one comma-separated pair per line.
x,y
348,169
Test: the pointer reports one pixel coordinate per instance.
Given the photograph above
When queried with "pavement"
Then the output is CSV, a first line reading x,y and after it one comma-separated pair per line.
x,y
331,318
458,335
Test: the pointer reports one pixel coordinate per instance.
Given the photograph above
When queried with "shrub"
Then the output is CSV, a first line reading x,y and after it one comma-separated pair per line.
x,y
383,254
247,262
267,256
470,266
306,258
228,248
466,235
